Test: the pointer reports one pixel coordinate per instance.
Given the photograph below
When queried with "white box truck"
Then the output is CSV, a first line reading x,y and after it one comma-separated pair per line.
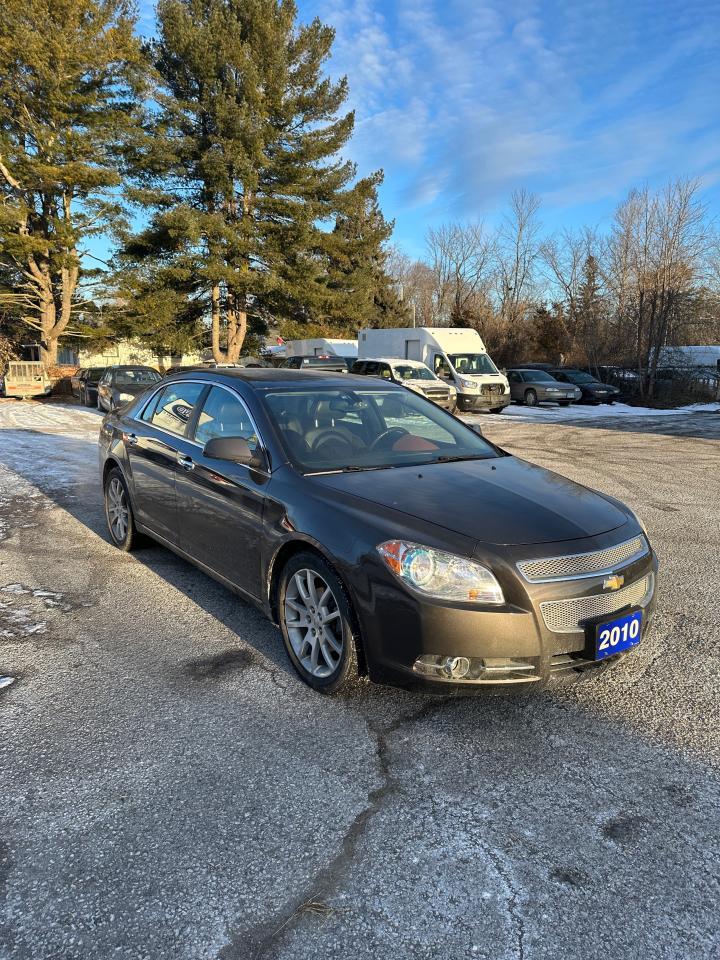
x,y
456,354
322,347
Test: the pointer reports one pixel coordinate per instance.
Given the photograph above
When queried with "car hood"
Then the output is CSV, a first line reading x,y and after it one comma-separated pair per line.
x,y
502,500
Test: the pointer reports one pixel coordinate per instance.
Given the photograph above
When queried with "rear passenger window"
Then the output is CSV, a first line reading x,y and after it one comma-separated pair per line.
x,y
174,407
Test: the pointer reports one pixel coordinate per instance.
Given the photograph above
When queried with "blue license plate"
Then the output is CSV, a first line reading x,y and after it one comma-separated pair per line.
x,y
614,636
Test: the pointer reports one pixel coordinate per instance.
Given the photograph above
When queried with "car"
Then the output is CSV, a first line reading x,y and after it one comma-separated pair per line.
x,y
592,390
534,386
122,383
412,374
84,384
383,536
338,364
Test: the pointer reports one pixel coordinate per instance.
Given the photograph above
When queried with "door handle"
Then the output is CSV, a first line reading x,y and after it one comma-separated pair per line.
x,y
185,462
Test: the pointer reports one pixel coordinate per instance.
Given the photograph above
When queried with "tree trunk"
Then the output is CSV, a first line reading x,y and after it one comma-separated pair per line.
x,y
219,355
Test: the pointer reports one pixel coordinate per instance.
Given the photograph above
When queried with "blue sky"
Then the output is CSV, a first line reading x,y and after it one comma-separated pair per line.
x,y
461,101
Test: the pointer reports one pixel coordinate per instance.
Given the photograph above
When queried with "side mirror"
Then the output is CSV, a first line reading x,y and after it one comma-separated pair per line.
x,y
235,449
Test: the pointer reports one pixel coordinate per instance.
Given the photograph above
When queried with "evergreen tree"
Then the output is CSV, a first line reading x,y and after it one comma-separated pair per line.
x,y
68,74
241,169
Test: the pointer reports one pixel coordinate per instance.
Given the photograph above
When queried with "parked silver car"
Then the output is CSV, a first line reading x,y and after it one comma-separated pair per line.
x,y
537,386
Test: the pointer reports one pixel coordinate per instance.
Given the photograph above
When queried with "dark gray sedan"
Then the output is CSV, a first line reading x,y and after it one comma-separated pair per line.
x,y
538,386
383,535
122,383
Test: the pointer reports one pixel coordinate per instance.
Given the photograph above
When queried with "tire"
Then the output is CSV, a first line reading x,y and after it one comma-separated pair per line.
x,y
98,404
327,666
530,399
116,495
564,403
86,399
496,409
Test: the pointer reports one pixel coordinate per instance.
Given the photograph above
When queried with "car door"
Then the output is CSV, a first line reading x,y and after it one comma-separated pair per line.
x,y
158,448
515,381
220,503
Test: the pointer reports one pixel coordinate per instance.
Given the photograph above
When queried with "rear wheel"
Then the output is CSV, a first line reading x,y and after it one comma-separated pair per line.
x,y
316,623
118,512
531,398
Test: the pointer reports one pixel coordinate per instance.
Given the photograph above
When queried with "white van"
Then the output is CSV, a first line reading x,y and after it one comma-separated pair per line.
x,y
322,347
456,354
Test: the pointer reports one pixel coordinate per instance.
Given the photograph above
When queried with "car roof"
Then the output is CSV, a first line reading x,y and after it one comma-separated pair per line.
x,y
526,370
265,378
130,366
413,363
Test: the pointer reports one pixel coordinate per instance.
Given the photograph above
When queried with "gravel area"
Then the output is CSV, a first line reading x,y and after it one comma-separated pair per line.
x,y
170,789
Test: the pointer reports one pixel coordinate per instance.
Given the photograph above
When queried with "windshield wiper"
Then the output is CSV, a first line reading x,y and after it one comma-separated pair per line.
x,y
447,458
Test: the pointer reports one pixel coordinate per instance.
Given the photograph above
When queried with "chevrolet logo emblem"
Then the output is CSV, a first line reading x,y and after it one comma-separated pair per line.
x,y
614,582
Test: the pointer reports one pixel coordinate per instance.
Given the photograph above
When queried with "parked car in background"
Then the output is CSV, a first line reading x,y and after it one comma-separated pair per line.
x,y
322,347
336,364
592,390
538,386
84,384
381,534
413,375
122,383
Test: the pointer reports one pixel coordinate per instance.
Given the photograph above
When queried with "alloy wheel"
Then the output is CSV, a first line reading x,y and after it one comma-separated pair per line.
x,y
314,623
117,509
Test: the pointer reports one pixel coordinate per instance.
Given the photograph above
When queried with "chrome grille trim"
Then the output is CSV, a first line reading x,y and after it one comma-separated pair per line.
x,y
568,616
575,566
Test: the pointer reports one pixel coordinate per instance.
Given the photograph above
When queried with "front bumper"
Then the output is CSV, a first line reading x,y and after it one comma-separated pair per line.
x,y
472,401
514,642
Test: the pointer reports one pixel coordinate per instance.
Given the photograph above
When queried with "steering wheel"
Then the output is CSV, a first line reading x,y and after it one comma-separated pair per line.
x,y
331,441
394,432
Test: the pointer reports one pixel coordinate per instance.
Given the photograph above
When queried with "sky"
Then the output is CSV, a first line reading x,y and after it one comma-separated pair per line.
x,y
462,101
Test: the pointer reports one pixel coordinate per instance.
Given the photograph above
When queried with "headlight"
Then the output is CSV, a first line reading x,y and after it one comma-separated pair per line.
x,y
452,390
125,396
468,383
445,576
640,522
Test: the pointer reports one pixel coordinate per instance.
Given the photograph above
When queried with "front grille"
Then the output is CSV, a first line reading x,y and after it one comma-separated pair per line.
x,y
568,616
491,388
583,564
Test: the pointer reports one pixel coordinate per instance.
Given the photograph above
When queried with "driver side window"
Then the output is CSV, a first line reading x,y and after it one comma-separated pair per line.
x,y
224,415
442,367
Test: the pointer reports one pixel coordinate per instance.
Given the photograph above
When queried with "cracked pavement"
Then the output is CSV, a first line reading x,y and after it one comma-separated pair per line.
x,y
170,789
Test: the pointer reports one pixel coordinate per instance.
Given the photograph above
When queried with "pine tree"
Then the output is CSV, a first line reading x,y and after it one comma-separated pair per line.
x,y
241,167
69,70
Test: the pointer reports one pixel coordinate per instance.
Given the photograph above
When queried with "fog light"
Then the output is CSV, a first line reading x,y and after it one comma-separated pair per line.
x,y
456,667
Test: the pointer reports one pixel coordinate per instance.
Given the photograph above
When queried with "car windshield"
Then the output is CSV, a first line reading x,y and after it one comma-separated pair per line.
x,y
538,376
407,371
128,378
333,429
472,363
577,376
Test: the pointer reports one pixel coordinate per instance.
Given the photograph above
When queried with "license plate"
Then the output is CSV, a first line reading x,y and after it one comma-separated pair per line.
x,y
614,636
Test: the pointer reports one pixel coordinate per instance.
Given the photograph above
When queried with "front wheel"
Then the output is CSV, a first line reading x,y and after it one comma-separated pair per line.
x,y
564,403
496,409
316,623
118,512
531,398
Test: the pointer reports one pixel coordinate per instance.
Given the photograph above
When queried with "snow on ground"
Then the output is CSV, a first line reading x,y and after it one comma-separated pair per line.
x,y
549,412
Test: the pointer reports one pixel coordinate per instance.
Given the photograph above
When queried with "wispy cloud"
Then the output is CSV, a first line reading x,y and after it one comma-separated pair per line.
x,y
463,100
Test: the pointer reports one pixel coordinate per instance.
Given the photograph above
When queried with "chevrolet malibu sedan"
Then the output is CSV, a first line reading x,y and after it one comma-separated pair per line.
x,y
383,536
122,383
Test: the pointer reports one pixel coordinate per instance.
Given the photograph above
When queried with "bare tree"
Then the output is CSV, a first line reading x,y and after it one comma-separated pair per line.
x,y
461,258
658,245
517,254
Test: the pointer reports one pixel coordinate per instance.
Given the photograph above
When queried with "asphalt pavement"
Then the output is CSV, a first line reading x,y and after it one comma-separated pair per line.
x,y
170,789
